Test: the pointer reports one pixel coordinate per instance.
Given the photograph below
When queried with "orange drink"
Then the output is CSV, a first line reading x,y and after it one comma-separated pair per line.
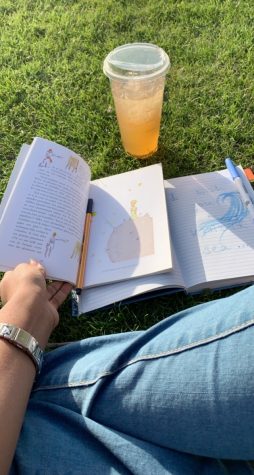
x,y
139,118
137,76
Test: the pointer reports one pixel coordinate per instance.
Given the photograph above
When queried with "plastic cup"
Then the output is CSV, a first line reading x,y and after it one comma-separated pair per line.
x,y
137,76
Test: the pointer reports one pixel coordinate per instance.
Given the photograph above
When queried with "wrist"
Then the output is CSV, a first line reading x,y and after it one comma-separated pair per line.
x,y
24,341
29,318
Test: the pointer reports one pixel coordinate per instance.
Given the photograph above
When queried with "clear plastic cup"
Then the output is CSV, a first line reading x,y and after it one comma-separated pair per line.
x,y
137,76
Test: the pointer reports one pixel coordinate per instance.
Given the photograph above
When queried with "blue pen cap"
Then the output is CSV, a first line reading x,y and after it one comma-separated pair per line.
x,y
232,168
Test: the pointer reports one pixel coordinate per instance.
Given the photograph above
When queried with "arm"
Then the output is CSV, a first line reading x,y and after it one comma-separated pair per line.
x,y
30,305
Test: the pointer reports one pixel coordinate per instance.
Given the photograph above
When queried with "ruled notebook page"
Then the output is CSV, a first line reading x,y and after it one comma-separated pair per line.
x,y
212,231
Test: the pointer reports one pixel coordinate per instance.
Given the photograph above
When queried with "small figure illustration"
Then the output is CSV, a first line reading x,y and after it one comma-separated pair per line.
x,y
72,164
134,209
48,159
76,250
51,244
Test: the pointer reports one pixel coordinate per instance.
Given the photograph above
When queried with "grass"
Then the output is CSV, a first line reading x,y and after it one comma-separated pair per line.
x,y
52,85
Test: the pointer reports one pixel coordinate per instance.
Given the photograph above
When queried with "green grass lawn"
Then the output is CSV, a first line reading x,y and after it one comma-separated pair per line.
x,y
52,85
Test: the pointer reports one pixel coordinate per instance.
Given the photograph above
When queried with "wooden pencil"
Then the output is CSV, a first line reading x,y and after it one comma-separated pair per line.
x,y
83,255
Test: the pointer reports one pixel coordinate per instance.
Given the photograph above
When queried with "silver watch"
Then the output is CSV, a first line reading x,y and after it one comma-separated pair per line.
x,y
23,340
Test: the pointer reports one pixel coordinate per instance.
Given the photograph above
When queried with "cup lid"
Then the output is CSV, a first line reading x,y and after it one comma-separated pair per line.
x,y
136,61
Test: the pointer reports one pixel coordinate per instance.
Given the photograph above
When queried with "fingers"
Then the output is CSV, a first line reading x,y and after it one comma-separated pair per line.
x,y
23,278
29,270
57,292
53,288
38,266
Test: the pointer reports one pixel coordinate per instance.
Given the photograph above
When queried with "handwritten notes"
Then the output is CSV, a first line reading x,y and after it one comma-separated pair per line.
x,y
212,230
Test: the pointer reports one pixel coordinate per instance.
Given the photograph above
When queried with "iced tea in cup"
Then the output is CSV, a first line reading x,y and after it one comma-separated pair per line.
x,y
137,76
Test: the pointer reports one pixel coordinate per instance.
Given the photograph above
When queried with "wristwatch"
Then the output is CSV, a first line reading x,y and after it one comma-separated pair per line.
x,y
23,340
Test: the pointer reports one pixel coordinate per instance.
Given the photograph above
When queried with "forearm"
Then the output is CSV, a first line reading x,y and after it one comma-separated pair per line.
x,y
17,373
31,305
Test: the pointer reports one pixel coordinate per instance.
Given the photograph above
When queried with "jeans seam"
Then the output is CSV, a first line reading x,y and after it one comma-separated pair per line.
x,y
171,352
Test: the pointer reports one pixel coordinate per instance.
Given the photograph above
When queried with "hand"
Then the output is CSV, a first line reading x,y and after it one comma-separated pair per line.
x,y
29,302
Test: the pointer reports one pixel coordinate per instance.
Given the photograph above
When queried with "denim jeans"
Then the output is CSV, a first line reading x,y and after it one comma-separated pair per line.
x,y
175,399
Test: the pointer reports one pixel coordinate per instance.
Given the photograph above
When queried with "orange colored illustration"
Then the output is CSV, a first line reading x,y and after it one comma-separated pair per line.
x,y
72,164
48,158
134,209
50,245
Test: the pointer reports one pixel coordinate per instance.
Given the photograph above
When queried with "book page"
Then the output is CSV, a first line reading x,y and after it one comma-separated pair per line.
x,y
44,212
212,230
129,232
100,296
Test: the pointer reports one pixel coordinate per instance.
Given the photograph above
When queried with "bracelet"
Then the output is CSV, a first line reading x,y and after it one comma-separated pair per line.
x,y
23,340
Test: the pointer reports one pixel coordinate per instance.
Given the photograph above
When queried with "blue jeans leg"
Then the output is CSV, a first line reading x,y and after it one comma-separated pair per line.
x,y
175,398
189,383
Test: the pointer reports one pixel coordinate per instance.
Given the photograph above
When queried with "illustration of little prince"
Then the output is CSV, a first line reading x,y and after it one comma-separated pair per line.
x,y
50,245
48,158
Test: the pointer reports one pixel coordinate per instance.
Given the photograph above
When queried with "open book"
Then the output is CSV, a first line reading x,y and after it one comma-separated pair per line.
x,y
212,239
42,215
43,211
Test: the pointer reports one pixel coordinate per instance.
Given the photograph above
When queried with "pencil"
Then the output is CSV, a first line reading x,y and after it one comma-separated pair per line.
x,y
84,249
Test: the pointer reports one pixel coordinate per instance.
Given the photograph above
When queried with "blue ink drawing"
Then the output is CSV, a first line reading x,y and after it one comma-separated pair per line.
x,y
234,215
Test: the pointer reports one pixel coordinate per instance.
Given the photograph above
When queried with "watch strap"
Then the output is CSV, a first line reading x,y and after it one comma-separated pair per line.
x,y
23,340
